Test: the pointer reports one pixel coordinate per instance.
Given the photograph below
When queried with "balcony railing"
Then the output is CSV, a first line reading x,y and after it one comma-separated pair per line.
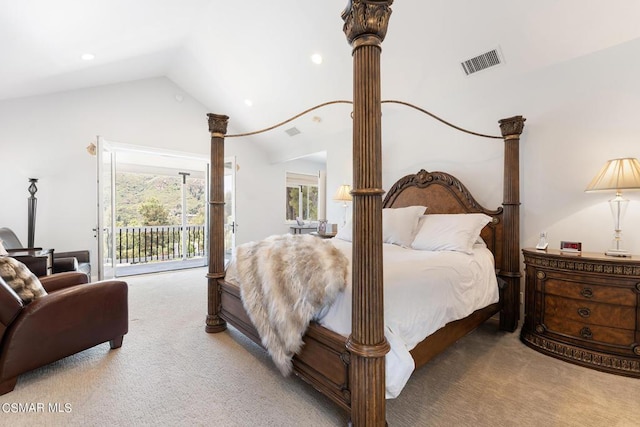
x,y
158,243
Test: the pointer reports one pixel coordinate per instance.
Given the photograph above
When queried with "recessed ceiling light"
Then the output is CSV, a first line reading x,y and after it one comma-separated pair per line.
x,y
316,58
87,56
248,102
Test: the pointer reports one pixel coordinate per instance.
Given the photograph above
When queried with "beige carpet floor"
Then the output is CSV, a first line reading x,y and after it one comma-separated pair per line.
x,y
169,372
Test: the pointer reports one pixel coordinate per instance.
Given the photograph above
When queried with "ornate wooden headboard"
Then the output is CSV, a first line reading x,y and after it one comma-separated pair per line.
x,y
443,193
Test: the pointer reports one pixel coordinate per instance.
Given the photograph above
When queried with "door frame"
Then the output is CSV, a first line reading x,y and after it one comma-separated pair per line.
x,y
230,222
105,232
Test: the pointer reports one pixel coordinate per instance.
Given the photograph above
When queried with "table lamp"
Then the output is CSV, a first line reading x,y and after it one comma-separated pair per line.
x,y
343,195
618,175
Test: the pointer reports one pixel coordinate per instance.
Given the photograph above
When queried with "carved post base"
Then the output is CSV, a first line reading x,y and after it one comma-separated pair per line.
x,y
215,324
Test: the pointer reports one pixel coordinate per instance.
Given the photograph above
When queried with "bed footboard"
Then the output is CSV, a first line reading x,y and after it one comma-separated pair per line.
x,y
232,310
323,362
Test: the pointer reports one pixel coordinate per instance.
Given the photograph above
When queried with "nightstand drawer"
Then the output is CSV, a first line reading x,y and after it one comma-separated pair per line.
x,y
590,292
615,316
590,332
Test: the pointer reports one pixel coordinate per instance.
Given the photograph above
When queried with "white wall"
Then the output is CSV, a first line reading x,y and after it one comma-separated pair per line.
x,y
579,114
45,137
260,191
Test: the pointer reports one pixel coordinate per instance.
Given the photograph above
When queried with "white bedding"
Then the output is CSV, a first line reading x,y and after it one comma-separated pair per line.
x,y
423,291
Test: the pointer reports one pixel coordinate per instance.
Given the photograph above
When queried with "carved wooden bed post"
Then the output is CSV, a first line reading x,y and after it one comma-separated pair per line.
x,y
218,129
511,130
365,27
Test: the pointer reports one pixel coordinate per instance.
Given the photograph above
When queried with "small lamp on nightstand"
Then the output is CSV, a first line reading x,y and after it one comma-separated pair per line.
x,y
343,195
618,175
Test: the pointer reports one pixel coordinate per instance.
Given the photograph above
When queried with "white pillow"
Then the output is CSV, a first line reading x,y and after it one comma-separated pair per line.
x,y
345,232
3,251
399,225
450,232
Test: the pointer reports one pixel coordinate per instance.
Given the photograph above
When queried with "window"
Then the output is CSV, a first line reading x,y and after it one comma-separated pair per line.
x,y
301,196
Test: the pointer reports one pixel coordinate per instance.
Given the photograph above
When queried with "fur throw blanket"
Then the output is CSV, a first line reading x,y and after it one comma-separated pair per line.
x,y
284,281
21,279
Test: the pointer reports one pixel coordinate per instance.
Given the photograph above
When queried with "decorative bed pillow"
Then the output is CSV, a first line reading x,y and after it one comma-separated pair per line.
x,y
345,232
21,279
399,225
450,232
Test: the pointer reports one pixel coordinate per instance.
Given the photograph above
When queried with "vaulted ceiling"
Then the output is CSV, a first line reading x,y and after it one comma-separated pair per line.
x,y
226,52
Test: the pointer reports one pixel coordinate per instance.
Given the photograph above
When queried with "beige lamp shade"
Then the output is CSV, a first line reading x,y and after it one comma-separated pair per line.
x,y
617,174
343,194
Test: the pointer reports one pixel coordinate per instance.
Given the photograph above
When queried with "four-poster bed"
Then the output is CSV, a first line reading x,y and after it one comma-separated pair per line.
x,y
351,371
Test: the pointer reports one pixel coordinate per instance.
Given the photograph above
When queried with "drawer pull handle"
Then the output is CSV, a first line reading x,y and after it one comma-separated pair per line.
x,y
587,292
586,333
584,312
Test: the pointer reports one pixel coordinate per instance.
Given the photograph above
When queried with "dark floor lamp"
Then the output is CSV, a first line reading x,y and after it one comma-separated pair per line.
x,y
32,205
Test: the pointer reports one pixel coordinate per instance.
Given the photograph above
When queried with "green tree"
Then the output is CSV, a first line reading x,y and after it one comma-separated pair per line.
x,y
153,212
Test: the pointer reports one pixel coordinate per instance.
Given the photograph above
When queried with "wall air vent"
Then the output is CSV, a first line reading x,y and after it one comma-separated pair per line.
x,y
292,131
482,62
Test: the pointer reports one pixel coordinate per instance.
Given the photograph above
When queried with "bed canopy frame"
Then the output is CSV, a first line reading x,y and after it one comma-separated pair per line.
x,y
363,353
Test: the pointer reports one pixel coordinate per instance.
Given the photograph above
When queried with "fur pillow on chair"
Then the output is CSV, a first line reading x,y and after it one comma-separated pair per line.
x,y
21,279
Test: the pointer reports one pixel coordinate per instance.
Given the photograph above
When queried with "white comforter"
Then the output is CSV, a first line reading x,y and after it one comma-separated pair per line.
x,y
423,291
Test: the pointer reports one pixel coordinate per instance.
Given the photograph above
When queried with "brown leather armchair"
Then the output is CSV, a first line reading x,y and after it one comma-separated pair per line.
x,y
62,261
74,316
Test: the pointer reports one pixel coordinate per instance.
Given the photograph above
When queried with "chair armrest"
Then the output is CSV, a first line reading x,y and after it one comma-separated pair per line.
x,y
65,322
81,256
59,281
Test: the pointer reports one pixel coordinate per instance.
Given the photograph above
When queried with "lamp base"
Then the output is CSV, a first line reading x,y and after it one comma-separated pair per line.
x,y
617,253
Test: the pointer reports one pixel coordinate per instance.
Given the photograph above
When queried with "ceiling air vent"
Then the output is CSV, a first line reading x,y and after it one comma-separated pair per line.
x,y
482,62
292,131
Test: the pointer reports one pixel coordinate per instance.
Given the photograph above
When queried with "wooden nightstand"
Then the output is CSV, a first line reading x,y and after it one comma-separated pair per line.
x,y
584,309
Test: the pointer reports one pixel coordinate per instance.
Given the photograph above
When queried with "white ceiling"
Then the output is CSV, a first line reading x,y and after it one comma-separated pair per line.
x,y
223,52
